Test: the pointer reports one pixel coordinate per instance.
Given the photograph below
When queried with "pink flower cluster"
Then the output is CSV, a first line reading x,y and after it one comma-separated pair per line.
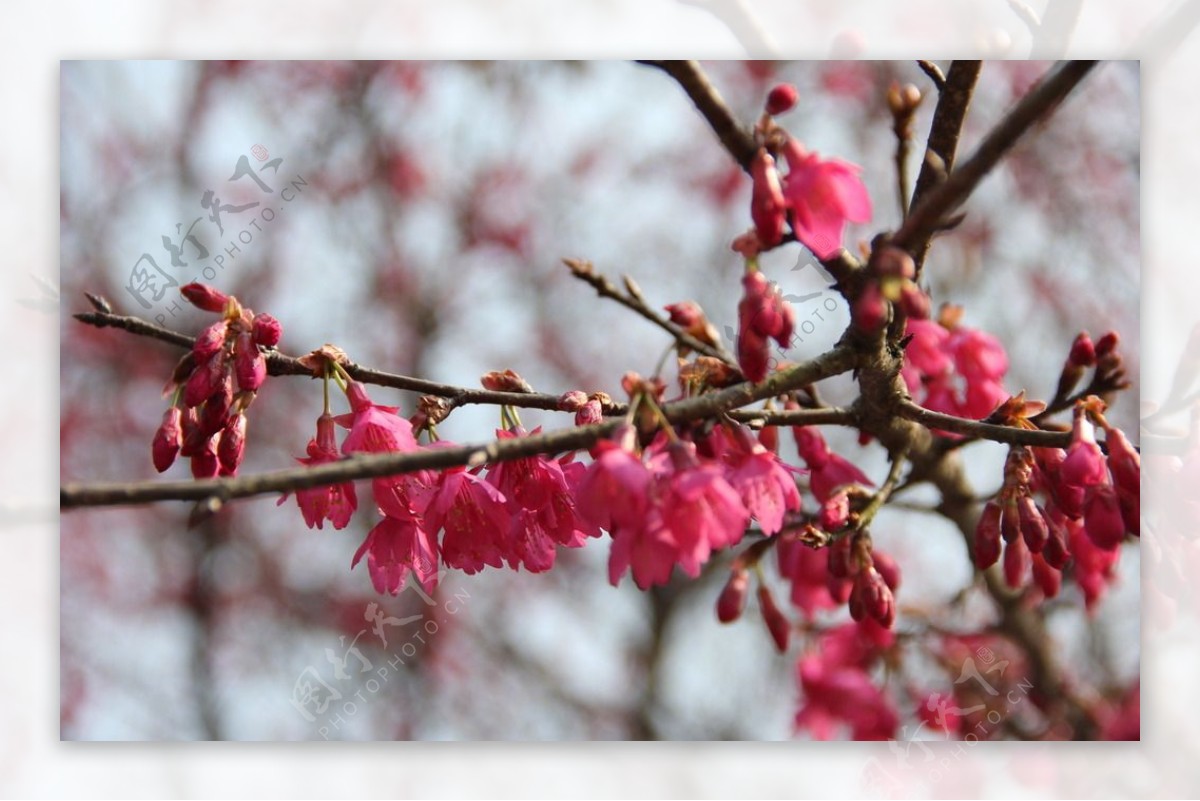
x,y
954,369
838,690
216,382
676,502
518,513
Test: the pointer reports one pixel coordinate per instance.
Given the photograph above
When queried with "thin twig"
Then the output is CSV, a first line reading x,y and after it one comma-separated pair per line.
x,y
949,195
282,364
605,288
934,72
833,362
973,428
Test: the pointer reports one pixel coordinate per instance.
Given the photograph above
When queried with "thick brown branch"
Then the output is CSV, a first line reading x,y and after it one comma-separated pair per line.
x,y
832,363
942,145
974,428
736,138
932,210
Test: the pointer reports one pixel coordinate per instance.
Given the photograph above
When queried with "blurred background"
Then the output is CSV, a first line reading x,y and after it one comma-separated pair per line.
x,y
416,217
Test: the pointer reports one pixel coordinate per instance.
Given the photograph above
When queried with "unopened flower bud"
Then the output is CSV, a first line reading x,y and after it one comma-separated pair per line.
x,y
782,98
1047,578
835,511
1124,462
889,261
1016,563
987,536
215,413
572,401
732,601
887,568
211,340
903,99
768,208
204,461
250,365
871,597
167,439
204,297
1102,519
1055,551
589,413
777,623
507,381
1083,352
266,331
1107,344
1010,521
870,309
233,445
768,437
204,380
914,301
1033,524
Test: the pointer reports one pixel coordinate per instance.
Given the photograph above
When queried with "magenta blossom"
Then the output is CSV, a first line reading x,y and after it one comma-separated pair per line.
x,y
823,195
475,518
336,502
395,547
373,428
766,485
700,509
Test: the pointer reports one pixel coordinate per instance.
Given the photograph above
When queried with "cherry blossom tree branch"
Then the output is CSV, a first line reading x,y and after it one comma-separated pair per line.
x,y
360,466
632,299
954,99
934,72
737,139
282,364
931,211
1009,435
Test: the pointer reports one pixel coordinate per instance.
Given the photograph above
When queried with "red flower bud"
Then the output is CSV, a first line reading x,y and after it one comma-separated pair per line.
x,y
767,205
870,309
1033,524
215,413
781,98
204,461
232,445
204,381
1016,562
835,511
507,381
872,597
167,439
987,536
777,624
1010,522
1055,551
589,413
769,438
732,601
211,340
249,364
1047,578
887,567
1124,462
572,401
1083,352
1102,519
1107,344
204,297
267,330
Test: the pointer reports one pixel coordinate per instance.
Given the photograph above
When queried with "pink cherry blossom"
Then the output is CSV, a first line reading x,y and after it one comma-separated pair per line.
x,y
767,487
335,502
394,547
824,194
373,428
476,520
701,511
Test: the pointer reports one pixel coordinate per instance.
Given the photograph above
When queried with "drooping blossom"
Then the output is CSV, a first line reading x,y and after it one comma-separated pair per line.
x,y
807,570
475,518
767,486
954,369
823,195
335,502
395,547
701,511
373,428
542,507
828,469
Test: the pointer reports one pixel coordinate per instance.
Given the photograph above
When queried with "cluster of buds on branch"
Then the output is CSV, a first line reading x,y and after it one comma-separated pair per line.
x,y
216,383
